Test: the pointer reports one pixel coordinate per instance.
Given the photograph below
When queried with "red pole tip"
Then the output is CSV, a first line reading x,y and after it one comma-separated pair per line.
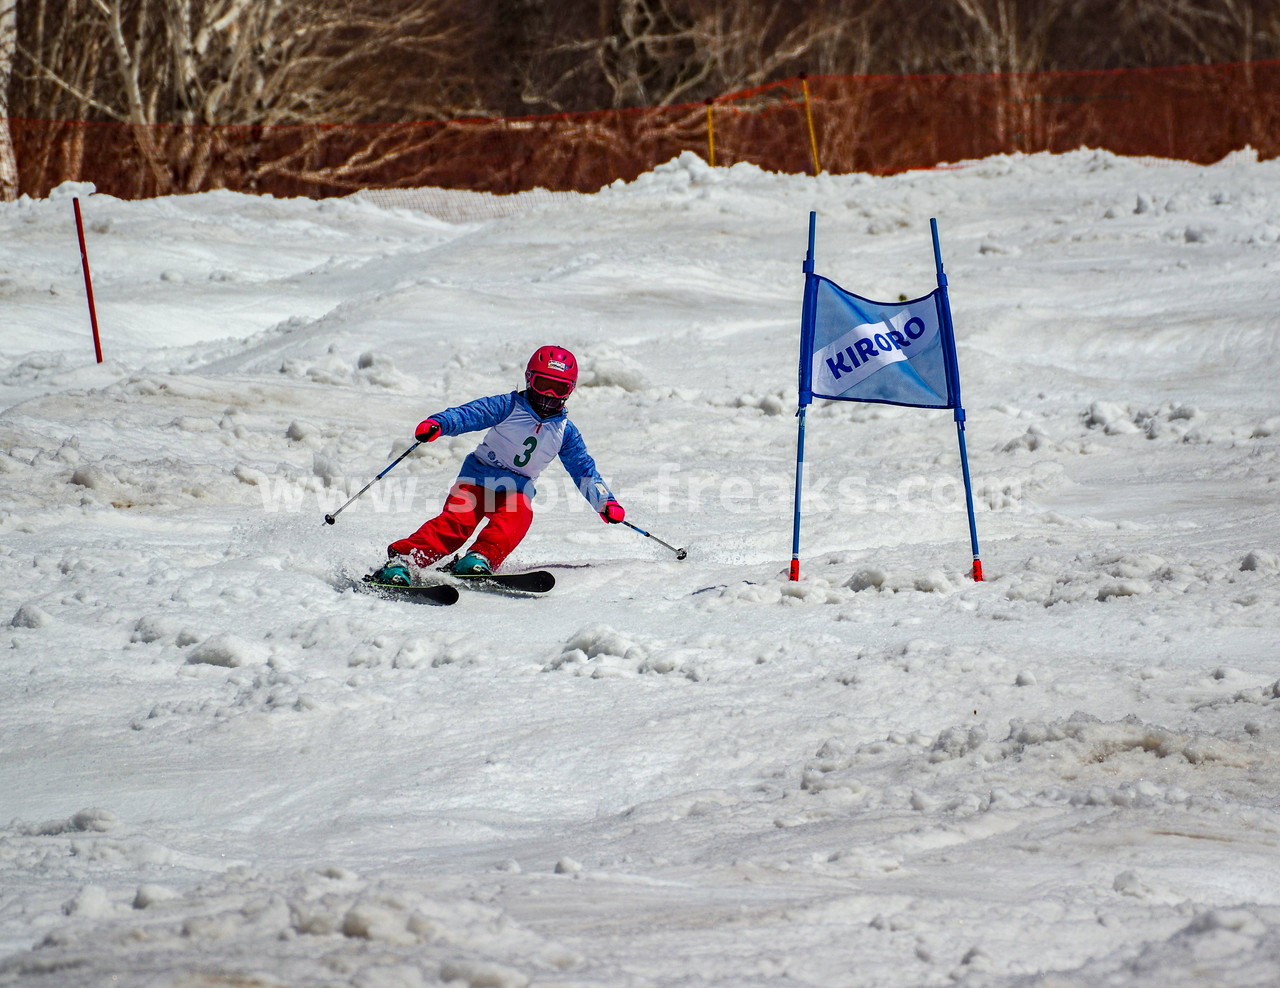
x,y
977,571
795,571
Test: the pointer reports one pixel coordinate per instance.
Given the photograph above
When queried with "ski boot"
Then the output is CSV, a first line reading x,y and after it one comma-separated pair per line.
x,y
395,572
472,564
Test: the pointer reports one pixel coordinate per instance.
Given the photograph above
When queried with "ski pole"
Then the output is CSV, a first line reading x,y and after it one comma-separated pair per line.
x,y
331,519
680,553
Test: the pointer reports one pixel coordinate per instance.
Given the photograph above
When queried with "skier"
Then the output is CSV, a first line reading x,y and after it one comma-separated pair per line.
x,y
527,429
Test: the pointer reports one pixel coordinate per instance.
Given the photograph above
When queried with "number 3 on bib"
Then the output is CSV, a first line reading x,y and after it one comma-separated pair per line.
x,y
530,445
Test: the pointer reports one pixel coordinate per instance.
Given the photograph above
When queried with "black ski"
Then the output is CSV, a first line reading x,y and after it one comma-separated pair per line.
x,y
433,593
531,582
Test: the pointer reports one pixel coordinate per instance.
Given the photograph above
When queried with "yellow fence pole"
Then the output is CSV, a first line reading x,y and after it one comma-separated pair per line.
x,y
711,137
808,116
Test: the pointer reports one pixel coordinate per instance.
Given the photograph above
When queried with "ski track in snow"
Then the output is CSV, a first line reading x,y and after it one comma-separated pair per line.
x,y
223,767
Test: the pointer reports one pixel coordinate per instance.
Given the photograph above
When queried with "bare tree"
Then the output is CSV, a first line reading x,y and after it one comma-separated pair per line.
x,y
635,53
1005,35
8,162
852,36
1210,31
643,51
1011,40
249,61
745,45
195,63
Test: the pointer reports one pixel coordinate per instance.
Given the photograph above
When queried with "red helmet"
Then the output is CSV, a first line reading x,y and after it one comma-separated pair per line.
x,y
552,371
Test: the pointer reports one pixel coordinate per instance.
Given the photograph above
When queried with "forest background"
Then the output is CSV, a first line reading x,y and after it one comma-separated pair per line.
x,y
264,63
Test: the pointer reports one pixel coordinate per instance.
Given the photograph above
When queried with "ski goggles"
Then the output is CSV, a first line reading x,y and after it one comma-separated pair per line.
x,y
556,386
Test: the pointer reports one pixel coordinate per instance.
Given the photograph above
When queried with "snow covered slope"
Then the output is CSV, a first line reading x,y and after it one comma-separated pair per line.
x,y
220,766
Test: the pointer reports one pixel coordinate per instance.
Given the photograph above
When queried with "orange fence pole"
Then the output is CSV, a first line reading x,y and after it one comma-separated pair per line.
x,y
808,116
711,136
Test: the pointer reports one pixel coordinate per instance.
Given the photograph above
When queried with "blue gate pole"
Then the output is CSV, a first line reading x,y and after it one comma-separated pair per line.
x,y
795,530
953,385
805,396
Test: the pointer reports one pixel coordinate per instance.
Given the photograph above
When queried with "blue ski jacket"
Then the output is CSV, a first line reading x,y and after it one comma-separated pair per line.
x,y
519,445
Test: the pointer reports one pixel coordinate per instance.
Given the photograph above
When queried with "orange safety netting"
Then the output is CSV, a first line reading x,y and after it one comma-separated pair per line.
x,y
877,124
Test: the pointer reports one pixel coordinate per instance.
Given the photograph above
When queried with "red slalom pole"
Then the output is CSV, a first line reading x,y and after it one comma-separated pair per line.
x,y
88,281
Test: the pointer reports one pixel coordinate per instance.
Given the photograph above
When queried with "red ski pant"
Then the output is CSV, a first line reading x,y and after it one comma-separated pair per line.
x,y
509,514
